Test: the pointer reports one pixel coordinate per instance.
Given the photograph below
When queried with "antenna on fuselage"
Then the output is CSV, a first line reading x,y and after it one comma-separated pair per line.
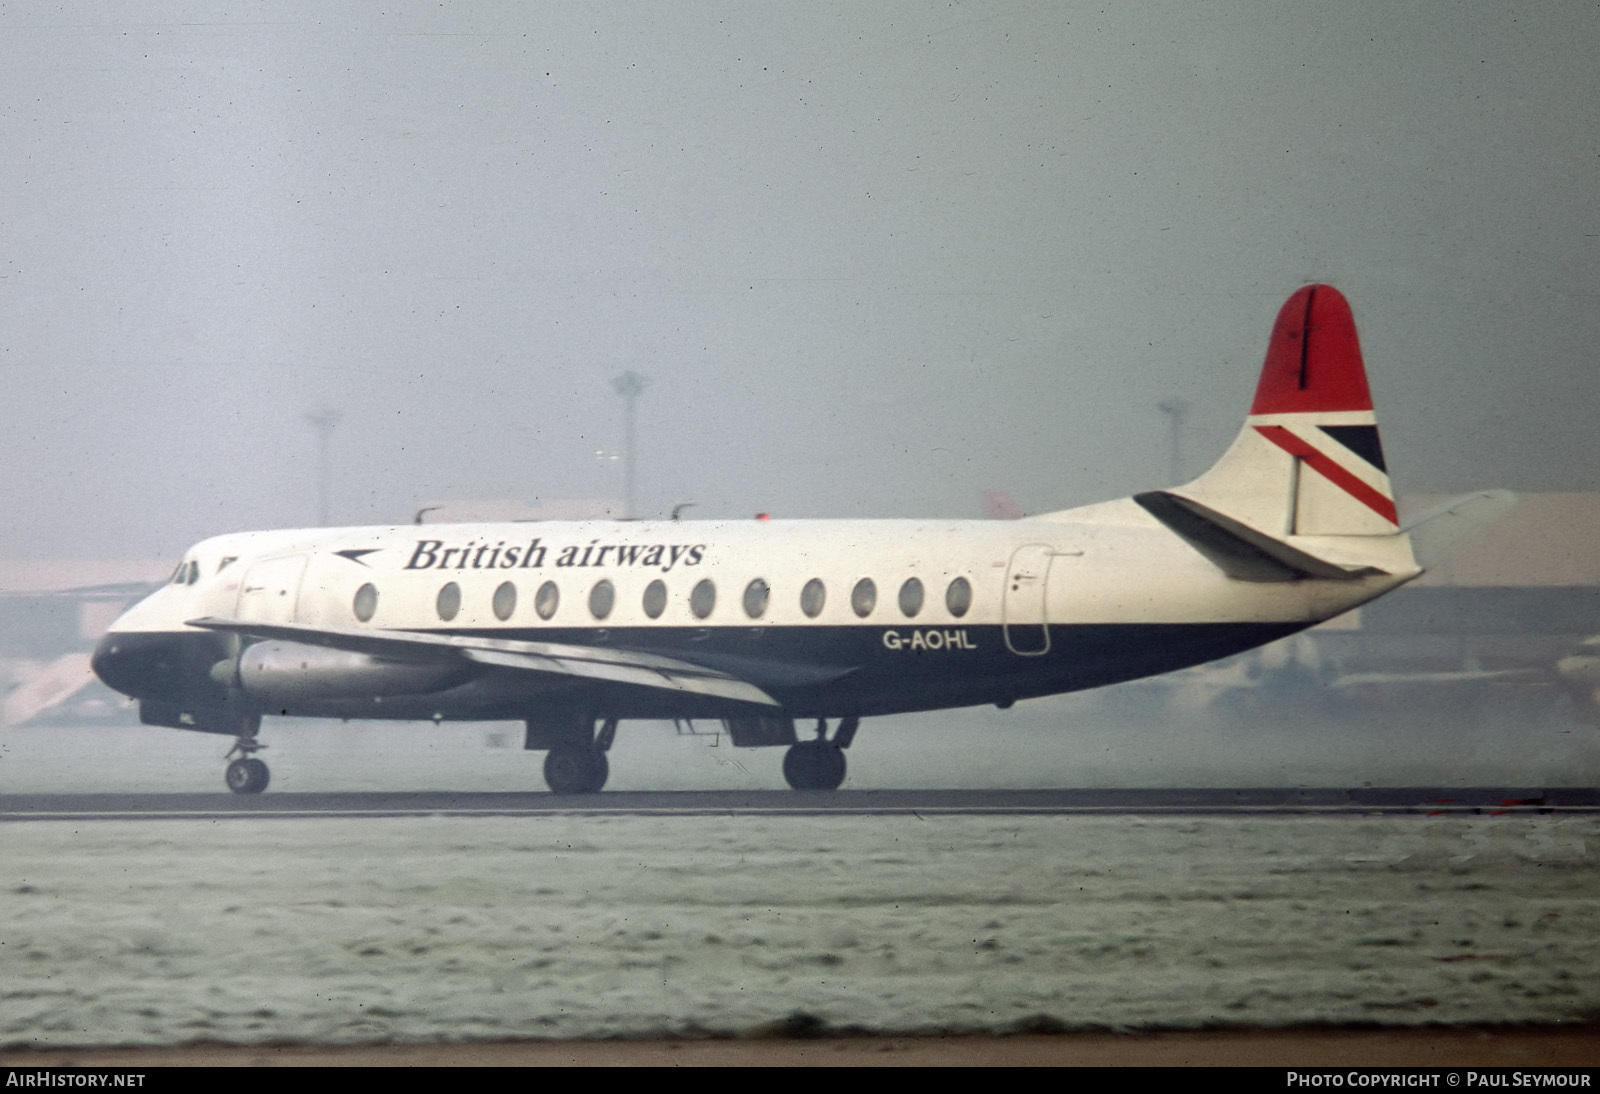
x,y
426,509
680,507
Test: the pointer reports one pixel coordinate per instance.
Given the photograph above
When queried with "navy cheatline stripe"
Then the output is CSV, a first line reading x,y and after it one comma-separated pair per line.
x,y
1360,439
811,670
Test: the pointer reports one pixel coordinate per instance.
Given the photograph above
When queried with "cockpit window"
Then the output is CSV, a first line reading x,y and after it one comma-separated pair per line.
x,y
225,563
194,572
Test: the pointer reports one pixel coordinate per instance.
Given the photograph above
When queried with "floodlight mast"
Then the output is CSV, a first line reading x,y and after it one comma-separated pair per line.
x,y
630,385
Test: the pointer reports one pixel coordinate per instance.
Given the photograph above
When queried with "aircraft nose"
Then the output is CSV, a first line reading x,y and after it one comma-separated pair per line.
x,y
138,665
110,663
163,666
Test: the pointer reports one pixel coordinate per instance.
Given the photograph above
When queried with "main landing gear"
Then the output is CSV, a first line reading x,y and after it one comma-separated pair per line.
x,y
247,775
574,769
576,761
819,764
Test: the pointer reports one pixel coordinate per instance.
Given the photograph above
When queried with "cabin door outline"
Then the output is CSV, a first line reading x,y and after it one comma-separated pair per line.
x,y
270,590
1024,616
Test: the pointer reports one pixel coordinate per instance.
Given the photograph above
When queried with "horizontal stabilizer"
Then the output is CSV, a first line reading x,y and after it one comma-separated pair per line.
x,y
1439,531
1237,550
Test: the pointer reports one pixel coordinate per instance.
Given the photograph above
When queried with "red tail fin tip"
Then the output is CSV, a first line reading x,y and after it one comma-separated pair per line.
x,y
1314,358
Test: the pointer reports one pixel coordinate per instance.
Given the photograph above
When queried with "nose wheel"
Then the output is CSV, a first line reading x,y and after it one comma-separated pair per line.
x,y
247,775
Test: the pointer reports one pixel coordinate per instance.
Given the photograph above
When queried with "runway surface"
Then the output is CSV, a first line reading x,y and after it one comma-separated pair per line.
x,y
575,923
1291,801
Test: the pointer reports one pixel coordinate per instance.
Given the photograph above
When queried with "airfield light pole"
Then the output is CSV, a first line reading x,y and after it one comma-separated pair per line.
x,y
323,421
1176,410
630,385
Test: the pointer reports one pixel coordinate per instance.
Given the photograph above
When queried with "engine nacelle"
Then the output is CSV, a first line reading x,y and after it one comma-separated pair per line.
x,y
287,673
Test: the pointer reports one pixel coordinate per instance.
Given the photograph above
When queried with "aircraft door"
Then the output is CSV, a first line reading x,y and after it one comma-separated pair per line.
x,y
270,590
1023,611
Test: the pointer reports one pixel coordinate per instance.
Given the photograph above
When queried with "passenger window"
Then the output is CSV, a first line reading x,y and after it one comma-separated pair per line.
x,y
655,598
813,597
755,598
449,601
505,601
546,600
366,602
910,597
958,597
602,598
864,597
703,599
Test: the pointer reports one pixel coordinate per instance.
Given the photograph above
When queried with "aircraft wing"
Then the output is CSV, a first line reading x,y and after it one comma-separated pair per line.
x,y
552,658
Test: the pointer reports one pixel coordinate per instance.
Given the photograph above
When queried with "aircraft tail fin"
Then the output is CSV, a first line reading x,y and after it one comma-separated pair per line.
x,y
1308,461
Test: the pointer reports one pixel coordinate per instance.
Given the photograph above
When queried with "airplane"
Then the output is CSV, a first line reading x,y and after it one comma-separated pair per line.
x,y
573,627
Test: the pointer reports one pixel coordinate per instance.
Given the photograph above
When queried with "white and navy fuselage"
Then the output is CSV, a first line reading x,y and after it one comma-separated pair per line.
x,y
829,618
1295,524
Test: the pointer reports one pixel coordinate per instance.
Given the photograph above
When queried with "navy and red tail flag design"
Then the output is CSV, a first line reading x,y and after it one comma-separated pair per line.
x,y
1308,461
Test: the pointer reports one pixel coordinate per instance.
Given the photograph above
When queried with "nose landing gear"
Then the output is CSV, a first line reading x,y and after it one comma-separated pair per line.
x,y
247,775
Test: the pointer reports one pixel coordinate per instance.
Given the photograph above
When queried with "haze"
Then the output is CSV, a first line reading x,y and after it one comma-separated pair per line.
x,y
873,259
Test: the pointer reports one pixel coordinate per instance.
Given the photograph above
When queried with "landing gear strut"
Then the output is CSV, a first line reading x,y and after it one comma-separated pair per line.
x,y
576,761
247,775
820,764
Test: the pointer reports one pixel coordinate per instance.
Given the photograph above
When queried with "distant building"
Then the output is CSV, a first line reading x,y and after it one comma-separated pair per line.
x,y
1505,613
51,614
1520,595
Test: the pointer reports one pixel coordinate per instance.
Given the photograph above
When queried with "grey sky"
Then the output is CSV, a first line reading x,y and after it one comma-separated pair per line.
x,y
875,258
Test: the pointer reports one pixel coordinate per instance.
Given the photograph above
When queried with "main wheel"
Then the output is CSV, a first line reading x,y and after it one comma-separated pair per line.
x,y
247,776
814,765
573,769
